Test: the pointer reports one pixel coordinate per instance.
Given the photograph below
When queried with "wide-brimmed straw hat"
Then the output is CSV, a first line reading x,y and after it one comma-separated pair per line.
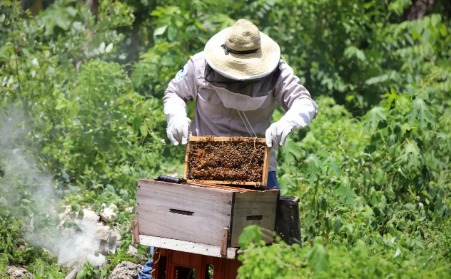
x,y
242,52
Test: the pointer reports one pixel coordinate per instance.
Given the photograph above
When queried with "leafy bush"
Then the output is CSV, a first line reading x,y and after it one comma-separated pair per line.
x,y
84,88
379,183
381,259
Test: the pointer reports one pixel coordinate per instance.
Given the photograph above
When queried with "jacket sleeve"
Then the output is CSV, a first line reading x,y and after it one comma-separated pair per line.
x,y
294,97
181,89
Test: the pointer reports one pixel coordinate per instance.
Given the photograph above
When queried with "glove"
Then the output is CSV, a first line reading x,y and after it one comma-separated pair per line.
x,y
178,129
298,116
277,133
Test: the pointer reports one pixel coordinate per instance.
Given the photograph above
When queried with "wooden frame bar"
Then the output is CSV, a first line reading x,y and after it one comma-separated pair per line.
x,y
187,246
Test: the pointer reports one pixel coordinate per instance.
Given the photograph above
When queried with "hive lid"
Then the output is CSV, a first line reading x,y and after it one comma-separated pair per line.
x,y
227,161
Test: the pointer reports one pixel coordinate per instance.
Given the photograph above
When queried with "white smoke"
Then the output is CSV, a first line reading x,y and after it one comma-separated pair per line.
x,y
29,193
78,246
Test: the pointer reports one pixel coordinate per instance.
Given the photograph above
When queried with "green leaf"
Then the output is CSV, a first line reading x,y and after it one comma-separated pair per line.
x,y
62,21
334,167
345,193
160,30
374,117
6,50
317,257
397,253
390,97
354,52
361,249
250,234
420,112
379,177
144,130
410,155
377,79
314,168
398,6
443,30
291,151
60,104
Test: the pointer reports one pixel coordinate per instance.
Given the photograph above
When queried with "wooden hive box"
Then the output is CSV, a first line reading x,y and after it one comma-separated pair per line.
x,y
227,161
195,214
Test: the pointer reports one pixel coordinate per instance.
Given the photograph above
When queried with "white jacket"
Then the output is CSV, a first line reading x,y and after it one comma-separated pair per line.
x,y
219,112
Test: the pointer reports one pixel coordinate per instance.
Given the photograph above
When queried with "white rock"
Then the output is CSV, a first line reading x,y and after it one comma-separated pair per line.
x,y
108,214
132,251
18,273
126,270
89,215
109,238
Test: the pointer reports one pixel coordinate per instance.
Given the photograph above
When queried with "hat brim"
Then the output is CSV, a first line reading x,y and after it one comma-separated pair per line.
x,y
242,66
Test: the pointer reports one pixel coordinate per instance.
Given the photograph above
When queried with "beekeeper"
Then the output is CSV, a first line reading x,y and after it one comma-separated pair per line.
x,y
236,82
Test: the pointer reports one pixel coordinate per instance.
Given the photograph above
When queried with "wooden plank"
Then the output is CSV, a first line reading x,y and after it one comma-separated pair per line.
x,y
255,208
186,168
266,166
215,138
225,241
186,246
216,182
182,211
135,231
225,187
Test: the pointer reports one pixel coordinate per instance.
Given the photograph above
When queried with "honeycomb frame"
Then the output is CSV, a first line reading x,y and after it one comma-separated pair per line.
x,y
227,161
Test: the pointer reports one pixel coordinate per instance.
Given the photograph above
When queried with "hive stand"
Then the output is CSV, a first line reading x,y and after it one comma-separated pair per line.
x,y
171,264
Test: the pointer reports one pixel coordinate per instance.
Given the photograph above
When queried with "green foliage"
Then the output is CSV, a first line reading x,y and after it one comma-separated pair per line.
x,y
384,176
385,196
178,34
101,112
355,261
84,121
15,251
251,234
372,170
87,272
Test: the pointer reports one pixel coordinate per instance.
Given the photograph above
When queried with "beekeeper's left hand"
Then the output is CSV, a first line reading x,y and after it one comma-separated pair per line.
x,y
297,117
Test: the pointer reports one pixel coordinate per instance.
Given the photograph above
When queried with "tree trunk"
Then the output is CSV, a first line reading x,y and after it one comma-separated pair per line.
x,y
419,9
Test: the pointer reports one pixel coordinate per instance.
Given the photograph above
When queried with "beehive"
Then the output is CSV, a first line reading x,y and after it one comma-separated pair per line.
x,y
199,214
227,161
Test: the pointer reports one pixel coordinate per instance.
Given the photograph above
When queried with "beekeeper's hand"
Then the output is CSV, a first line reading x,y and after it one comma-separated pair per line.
x,y
277,133
298,116
178,129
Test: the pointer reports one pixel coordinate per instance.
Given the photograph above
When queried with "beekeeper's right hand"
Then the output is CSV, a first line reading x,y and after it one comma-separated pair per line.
x,y
178,129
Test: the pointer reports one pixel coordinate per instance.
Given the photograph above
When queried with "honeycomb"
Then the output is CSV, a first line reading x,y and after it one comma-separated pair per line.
x,y
235,160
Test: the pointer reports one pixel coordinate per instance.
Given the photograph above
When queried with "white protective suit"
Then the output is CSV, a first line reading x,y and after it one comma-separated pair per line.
x,y
243,112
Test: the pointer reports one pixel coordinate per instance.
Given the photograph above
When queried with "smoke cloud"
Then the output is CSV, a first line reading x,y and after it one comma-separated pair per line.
x,y
30,195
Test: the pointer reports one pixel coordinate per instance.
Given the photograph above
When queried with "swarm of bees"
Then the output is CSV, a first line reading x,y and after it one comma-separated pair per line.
x,y
237,161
